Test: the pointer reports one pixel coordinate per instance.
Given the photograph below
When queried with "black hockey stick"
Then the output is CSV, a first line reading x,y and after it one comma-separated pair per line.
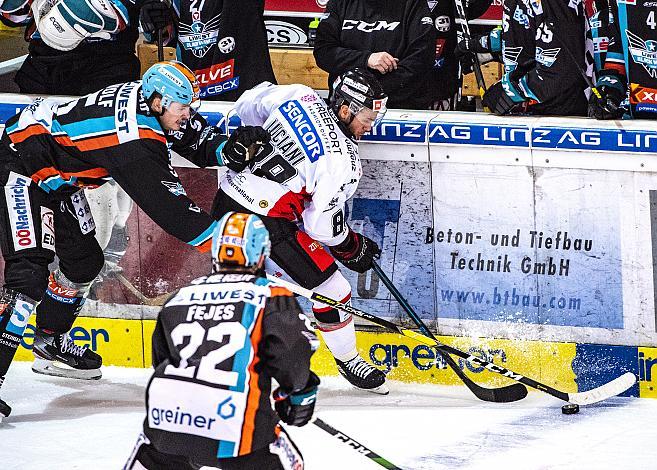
x,y
610,389
505,394
354,444
160,46
508,393
465,30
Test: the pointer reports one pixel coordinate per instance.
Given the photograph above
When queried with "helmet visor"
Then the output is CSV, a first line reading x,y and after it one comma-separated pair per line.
x,y
372,116
178,108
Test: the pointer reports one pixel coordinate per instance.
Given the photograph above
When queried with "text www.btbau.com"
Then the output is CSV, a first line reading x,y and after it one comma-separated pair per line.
x,y
511,298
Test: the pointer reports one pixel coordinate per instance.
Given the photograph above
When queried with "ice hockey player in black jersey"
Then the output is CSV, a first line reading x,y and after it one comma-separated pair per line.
x,y
216,347
49,152
545,53
630,67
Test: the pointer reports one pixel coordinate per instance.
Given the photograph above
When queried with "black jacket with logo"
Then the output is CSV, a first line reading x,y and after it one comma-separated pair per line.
x,y
225,43
544,48
632,54
351,30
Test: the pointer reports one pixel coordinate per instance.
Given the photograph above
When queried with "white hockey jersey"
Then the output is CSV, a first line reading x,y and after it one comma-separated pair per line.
x,y
307,172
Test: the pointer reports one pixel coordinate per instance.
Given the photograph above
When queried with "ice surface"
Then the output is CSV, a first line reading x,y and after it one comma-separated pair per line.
x,y
72,424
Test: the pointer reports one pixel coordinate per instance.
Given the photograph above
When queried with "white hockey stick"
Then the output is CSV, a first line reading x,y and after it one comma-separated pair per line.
x,y
608,390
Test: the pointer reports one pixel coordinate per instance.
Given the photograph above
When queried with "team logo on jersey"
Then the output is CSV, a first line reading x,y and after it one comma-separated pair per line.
x,y
521,17
547,57
199,37
432,4
174,188
643,52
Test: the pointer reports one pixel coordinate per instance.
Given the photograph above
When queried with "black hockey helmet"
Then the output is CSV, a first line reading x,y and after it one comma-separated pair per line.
x,y
361,91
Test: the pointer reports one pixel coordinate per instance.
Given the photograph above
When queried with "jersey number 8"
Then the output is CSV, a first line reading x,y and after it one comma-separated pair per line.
x,y
273,166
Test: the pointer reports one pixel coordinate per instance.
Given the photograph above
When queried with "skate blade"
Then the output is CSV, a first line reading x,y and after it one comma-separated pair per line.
x,y
59,369
380,390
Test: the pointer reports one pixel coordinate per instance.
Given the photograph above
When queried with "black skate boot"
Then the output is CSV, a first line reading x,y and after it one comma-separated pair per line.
x,y
56,354
363,375
5,410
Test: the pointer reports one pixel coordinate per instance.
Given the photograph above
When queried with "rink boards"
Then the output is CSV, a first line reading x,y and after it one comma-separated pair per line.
x,y
539,231
567,366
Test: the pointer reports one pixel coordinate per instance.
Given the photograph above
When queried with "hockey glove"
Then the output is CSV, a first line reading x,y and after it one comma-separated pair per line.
x,y
611,93
64,24
297,408
483,44
242,145
503,97
357,252
155,15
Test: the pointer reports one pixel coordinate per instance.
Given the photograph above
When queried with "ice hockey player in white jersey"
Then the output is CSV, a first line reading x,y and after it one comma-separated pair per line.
x,y
299,183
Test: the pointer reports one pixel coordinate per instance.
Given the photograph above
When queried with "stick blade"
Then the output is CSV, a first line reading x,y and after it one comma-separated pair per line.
x,y
608,390
507,394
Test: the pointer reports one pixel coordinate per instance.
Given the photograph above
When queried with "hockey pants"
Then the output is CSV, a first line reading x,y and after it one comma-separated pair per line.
x,y
34,227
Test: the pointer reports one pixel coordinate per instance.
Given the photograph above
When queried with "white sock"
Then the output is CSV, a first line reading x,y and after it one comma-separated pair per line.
x,y
341,341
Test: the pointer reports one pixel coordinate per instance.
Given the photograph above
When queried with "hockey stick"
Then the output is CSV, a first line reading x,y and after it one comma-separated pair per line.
x,y
151,301
465,30
509,393
504,394
354,444
608,390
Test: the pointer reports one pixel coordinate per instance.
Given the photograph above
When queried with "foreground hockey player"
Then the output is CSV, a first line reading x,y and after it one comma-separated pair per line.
x,y
49,152
299,183
217,344
630,67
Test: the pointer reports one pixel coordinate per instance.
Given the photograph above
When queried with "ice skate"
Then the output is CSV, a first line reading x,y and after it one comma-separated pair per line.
x,y
5,410
57,355
363,375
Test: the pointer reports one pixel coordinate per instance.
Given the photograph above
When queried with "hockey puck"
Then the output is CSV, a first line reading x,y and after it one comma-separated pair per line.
x,y
570,409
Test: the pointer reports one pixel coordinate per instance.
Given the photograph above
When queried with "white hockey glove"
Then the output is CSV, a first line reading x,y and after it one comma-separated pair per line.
x,y
63,24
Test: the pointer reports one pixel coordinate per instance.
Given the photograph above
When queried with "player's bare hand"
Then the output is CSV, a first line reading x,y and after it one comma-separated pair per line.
x,y
382,62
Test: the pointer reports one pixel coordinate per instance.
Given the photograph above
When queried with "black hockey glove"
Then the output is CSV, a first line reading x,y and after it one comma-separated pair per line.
x,y
503,97
606,103
297,408
242,145
155,15
357,252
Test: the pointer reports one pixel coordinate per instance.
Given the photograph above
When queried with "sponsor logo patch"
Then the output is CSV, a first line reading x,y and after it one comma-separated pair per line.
x,y
47,229
303,128
20,211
